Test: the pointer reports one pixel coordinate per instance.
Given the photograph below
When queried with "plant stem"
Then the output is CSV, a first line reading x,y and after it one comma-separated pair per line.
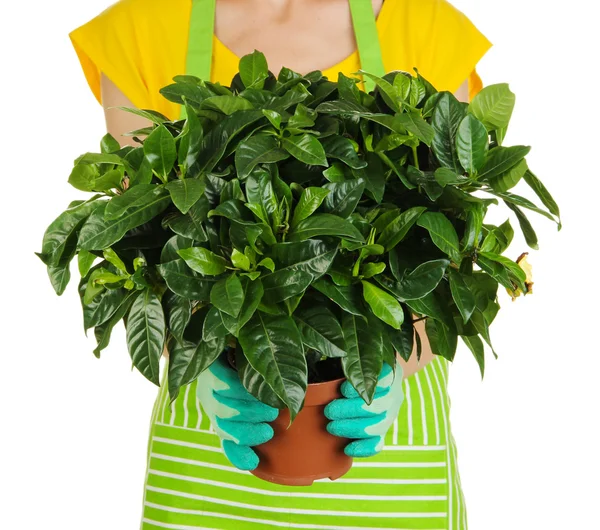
x,y
415,157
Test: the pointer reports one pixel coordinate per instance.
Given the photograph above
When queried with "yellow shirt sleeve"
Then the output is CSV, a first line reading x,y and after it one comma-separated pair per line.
x,y
449,46
139,45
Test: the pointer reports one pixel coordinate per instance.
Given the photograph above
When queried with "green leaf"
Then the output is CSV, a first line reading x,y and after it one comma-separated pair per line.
x,y
255,383
110,180
111,256
99,233
540,190
383,305
387,90
473,227
496,271
403,339
348,89
369,270
239,260
188,360
510,178
501,160
160,150
254,70
475,344
228,296
528,231
308,203
342,148
83,176
471,144
108,144
226,104
213,327
253,293
344,197
512,266
103,331
297,266
419,282
203,261
59,277
191,225
347,297
152,115
273,346
258,149
185,193
442,233
521,201
185,282
446,118
431,306
443,340
493,106
305,148
320,331
274,117
146,334
193,134
178,311
461,294
60,238
325,225
85,260
364,348
398,228
416,125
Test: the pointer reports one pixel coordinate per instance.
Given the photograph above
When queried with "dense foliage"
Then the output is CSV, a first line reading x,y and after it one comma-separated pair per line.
x,y
298,218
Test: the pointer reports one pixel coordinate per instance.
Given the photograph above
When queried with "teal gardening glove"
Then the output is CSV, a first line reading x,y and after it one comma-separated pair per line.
x,y
240,420
366,424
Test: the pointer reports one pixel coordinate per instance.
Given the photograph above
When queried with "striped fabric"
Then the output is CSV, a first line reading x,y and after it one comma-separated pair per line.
x,y
412,484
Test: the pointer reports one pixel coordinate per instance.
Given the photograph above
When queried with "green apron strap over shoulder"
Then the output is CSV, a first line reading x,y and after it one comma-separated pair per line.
x,y
202,27
367,39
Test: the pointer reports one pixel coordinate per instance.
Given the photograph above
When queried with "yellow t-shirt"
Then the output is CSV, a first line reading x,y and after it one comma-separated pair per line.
x,y
140,45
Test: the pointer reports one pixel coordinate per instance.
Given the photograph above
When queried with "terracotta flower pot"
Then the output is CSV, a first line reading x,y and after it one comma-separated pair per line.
x,y
306,451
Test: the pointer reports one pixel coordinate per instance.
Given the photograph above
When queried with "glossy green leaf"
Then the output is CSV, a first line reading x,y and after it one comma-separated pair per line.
x,y
185,282
384,306
99,233
103,331
443,339
371,269
203,261
85,260
347,297
151,115
540,190
500,160
473,226
528,231
471,144
273,346
305,148
160,150
213,327
446,118
419,282
191,225
342,148
510,178
343,197
185,193
253,294
254,70
493,106
399,227
324,224
430,305
59,277
178,311
416,125
308,203
83,176
320,330
258,149
146,334
227,295
363,342
226,104
387,90
442,232
463,297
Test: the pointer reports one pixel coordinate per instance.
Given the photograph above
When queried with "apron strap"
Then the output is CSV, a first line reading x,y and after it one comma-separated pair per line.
x,y
200,41
367,39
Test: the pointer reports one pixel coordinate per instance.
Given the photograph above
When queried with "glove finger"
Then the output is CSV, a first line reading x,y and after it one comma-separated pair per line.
x,y
244,433
241,456
355,428
384,381
347,408
364,448
247,411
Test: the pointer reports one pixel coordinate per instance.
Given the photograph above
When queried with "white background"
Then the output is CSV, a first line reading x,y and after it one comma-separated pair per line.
x,y
73,430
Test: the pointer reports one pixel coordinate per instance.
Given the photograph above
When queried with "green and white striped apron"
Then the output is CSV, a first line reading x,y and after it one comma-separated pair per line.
x,y
412,484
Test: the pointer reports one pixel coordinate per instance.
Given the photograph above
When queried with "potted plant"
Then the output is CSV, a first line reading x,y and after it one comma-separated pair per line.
x,y
303,222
